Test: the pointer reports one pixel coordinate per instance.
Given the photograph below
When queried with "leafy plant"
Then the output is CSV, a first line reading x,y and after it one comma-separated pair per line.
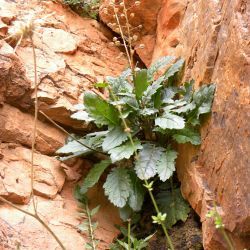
x,y
88,226
84,7
139,123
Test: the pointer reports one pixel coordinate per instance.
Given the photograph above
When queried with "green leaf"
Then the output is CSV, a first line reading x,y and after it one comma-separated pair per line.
x,y
170,121
124,151
82,115
115,137
159,64
174,206
149,157
73,147
151,90
141,83
94,211
166,165
102,112
203,98
137,193
176,67
125,213
94,175
168,94
187,135
101,85
148,111
118,186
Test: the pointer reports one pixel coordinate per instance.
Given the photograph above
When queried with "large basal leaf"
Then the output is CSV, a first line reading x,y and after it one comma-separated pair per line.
x,y
115,137
159,64
94,175
141,83
187,135
204,98
170,121
147,161
176,67
166,165
95,139
124,151
102,112
136,196
174,206
118,186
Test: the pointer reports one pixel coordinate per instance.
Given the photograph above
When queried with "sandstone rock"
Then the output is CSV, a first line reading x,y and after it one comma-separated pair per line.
x,y
14,85
148,20
15,167
213,37
16,126
61,215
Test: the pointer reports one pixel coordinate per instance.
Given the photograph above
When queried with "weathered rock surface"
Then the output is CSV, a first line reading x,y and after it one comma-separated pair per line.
x,y
145,14
213,37
15,167
72,54
16,126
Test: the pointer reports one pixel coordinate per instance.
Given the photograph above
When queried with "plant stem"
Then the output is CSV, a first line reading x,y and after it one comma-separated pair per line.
x,y
91,231
129,234
227,239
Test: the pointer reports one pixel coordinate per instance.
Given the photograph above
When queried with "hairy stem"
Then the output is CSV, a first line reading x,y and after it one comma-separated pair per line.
x,y
91,231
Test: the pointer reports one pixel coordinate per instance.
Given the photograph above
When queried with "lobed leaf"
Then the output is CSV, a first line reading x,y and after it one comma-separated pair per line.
x,y
173,204
166,164
124,151
118,186
176,67
115,137
170,121
187,135
102,112
141,83
149,157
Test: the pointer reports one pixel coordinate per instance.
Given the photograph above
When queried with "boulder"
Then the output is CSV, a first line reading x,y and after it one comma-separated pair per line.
x,y
213,38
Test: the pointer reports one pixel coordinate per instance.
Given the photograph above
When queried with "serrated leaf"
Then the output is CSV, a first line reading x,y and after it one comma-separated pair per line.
x,y
141,83
82,115
187,135
166,165
124,151
148,158
185,109
118,186
159,64
173,205
151,90
176,67
137,193
120,84
170,121
102,112
115,137
94,175
94,211
168,94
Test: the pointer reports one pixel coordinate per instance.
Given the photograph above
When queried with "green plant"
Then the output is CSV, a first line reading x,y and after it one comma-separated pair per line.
x,y
84,7
130,242
218,222
88,226
139,123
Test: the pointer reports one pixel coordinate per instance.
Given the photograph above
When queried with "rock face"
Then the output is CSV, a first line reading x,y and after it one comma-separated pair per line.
x,y
213,37
72,53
